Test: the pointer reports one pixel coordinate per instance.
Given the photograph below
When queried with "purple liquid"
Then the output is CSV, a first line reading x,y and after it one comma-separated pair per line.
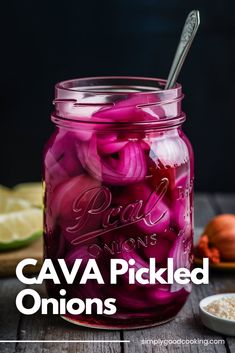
x,y
120,194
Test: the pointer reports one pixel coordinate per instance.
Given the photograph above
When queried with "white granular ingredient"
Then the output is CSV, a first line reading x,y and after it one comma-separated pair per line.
x,y
223,308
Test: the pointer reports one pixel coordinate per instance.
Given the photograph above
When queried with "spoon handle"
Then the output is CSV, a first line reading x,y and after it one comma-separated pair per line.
x,y
186,39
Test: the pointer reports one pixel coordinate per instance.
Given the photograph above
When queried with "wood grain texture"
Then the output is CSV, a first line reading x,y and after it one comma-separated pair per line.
x,y
203,210
9,315
226,204
10,259
186,325
51,327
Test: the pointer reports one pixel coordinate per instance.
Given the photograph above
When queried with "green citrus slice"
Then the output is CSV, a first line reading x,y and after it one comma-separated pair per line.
x,y
20,228
13,204
4,191
31,192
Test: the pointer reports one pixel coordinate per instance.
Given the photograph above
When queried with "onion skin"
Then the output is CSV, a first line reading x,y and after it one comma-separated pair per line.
x,y
221,234
204,250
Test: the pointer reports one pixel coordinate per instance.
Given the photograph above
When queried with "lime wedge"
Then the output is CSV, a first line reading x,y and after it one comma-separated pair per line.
x,y
31,192
13,204
20,228
4,191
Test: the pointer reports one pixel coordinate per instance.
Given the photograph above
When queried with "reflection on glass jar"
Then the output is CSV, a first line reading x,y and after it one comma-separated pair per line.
x,y
118,172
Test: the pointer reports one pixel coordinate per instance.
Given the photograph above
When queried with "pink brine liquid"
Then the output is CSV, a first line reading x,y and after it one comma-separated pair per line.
x,y
118,172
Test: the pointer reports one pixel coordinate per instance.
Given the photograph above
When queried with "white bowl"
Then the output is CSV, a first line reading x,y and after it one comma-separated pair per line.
x,y
215,323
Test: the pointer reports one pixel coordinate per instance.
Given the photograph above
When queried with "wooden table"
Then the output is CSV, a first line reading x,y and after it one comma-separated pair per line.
x,y
14,326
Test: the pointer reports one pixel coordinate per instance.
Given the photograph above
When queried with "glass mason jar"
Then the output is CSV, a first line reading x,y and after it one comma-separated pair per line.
x,y
118,174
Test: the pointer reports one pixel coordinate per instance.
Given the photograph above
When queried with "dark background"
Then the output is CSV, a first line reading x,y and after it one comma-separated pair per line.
x,y
43,42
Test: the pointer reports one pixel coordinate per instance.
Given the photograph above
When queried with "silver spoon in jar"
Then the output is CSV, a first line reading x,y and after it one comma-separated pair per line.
x,y
186,39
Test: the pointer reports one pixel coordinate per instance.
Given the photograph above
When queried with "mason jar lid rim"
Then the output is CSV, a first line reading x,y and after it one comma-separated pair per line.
x,y
69,85
116,92
148,124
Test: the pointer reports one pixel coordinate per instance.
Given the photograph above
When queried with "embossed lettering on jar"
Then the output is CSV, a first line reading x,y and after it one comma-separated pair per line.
x,y
118,174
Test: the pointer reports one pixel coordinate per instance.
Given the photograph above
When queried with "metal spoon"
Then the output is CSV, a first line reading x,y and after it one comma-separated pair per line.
x,y
190,29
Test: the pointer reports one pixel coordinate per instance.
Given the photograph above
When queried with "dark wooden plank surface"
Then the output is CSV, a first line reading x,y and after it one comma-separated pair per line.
x,y
9,315
203,210
186,325
52,327
225,203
